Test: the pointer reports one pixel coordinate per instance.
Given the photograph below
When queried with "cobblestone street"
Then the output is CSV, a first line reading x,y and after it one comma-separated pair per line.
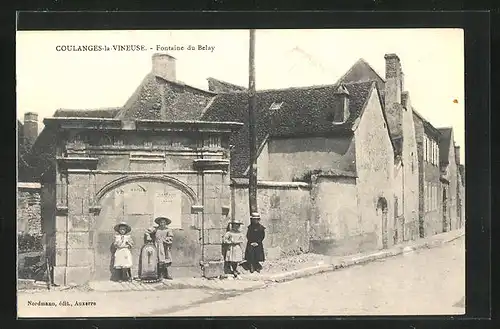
x,y
428,281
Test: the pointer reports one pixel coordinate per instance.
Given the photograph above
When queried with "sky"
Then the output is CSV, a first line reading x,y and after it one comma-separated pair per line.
x,y
47,79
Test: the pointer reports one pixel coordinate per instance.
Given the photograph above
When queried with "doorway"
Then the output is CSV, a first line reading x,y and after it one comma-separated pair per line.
x,y
445,211
382,207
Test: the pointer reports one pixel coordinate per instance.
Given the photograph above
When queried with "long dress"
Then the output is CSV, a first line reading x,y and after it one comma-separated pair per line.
x,y
123,256
163,239
234,242
256,233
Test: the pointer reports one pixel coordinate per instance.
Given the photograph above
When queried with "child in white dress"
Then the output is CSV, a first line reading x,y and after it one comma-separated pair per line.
x,y
234,240
123,257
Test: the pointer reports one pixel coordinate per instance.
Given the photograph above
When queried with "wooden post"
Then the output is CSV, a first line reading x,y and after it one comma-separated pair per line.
x,y
252,183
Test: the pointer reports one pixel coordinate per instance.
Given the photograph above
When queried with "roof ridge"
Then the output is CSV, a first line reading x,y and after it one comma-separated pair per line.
x,y
185,85
310,87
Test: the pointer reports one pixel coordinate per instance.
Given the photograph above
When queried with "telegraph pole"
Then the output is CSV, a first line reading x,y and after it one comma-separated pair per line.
x,y
252,183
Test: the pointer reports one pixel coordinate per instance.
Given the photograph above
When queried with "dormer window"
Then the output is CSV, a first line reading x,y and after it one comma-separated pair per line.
x,y
341,111
275,106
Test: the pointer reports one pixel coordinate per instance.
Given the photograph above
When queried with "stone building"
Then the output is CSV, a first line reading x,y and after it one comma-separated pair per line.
x,y
335,138
430,205
398,110
451,182
134,163
28,189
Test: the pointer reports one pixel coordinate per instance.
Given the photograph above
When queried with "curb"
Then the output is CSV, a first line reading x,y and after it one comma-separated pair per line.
x,y
342,262
361,259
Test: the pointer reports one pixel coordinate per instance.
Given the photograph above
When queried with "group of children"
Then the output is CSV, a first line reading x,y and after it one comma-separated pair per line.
x,y
162,237
232,247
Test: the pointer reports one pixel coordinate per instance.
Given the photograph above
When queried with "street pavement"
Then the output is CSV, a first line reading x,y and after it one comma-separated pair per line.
x,y
423,282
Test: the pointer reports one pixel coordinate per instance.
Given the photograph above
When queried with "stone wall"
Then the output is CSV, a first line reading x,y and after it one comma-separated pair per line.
x,y
285,212
29,216
291,158
375,173
336,224
411,175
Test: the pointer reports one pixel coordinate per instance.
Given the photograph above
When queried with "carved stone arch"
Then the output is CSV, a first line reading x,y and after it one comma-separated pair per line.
x,y
174,182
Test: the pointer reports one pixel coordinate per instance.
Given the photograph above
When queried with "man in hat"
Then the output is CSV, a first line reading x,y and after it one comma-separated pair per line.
x,y
122,256
162,236
254,252
234,240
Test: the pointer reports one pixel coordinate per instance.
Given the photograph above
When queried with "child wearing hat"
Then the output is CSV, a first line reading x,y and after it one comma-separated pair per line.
x,y
163,237
234,240
123,257
224,249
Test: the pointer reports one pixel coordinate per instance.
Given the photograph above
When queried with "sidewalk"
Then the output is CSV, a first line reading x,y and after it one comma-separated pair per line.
x,y
326,264
274,271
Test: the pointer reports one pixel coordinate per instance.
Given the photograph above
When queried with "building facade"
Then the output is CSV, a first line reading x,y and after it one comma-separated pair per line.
x,y
429,177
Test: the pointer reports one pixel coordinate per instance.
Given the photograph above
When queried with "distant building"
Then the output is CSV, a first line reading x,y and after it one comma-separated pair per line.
x,y
452,201
430,205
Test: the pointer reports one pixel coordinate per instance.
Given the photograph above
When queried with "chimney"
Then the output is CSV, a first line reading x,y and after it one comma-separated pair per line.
x,y
30,128
457,154
341,114
164,66
393,80
393,95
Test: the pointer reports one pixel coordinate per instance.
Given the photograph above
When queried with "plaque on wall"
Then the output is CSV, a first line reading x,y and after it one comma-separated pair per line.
x,y
168,204
136,200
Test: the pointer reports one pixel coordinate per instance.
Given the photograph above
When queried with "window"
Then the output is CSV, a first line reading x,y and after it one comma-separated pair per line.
x,y
275,106
432,153
437,154
425,148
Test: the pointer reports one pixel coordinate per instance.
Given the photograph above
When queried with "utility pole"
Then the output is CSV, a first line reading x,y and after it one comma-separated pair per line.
x,y
252,183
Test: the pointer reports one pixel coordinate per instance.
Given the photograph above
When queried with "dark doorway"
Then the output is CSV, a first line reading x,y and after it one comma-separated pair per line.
x,y
382,207
445,211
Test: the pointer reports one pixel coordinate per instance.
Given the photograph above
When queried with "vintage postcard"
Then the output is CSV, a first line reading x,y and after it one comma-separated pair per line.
x,y
240,173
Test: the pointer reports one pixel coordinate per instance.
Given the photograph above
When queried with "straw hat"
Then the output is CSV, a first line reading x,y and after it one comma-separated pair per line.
x,y
158,219
127,227
236,222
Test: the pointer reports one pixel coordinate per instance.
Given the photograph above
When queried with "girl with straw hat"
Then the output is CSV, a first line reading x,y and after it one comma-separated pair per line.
x,y
234,240
163,237
123,257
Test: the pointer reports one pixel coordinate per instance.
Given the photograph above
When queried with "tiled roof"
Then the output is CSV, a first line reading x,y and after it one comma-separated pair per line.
x,y
297,111
219,86
427,125
160,99
444,144
88,113
362,71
